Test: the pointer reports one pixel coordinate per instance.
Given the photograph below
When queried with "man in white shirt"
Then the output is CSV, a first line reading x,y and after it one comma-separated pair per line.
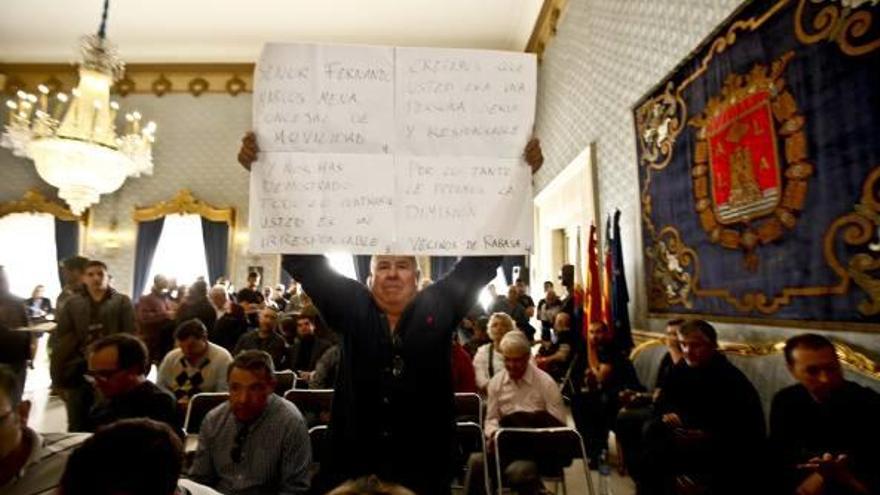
x,y
520,395
30,463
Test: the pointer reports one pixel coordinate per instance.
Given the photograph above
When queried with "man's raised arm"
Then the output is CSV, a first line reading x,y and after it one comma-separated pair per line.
x,y
331,292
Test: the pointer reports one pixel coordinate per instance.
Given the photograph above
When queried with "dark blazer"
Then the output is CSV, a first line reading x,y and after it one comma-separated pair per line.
x,y
393,410
115,314
201,309
318,349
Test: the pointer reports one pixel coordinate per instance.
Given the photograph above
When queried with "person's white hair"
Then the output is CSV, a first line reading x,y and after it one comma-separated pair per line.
x,y
217,289
507,323
516,343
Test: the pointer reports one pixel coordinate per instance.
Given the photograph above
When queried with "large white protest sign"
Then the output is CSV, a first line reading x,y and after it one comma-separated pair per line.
x,y
463,102
376,150
470,205
324,98
320,202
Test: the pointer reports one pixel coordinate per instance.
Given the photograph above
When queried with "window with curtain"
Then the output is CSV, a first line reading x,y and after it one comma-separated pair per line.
x,y
28,253
343,263
181,251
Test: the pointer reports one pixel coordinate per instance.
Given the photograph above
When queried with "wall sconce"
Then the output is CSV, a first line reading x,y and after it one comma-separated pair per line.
x,y
112,240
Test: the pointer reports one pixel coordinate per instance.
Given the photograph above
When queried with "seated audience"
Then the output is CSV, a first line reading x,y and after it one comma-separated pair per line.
x,y
155,319
279,297
219,300
269,298
257,443
488,361
84,318
520,395
479,337
197,305
708,430
265,338
130,457
370,485
251,299
555,356
295,300
306,348
324,376
229,327
824,430
638,407
30,462
595,406
463,377
547,309
195,366
118,367
38,306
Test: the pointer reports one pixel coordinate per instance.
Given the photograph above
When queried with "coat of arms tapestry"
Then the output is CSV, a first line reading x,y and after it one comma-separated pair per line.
x,y
759,170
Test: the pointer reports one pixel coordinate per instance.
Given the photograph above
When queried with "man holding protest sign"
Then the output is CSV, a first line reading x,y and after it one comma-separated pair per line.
x,y
393,403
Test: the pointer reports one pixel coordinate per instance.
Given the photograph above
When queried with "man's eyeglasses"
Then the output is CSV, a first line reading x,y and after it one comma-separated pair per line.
x,y
92,376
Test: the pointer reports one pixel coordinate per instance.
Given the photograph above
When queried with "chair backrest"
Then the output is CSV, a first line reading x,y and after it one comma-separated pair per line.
x,y
469,439
286,380
550,448
468,407
318,439
315,405
199,407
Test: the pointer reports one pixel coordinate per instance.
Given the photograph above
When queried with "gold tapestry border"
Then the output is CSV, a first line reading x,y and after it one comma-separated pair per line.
x,y
155,79
849,357
34,202
185,203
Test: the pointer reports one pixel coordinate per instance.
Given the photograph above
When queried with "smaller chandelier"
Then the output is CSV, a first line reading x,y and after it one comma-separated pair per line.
x,y
72,139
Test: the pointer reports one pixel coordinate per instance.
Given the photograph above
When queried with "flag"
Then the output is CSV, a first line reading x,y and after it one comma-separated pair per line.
x,y
607,276
593,297
619,292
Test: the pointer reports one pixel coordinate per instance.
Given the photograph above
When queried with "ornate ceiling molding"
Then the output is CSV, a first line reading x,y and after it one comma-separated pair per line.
x,y
155,79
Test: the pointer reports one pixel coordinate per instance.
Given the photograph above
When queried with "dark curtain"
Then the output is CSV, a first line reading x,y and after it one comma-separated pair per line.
x,y
66,242
507,264
362,267
216,238
284,278
147,240
441,265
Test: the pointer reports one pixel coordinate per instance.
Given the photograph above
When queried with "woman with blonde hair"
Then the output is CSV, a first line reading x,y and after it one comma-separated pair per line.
x,y
488,360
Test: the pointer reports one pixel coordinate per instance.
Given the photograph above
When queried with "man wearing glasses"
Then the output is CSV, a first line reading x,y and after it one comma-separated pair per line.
x,y
118,366
257,443
29,462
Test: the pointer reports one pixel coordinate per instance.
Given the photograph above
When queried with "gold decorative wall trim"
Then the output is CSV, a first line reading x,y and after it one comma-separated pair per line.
x,y
849,357
34,202
545,26
185,203
155,79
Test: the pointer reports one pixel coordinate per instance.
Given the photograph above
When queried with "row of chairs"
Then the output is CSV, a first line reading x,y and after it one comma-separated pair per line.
x,y
557,446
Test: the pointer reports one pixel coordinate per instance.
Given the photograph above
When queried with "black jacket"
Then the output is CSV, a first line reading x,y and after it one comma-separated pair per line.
x,y
393,412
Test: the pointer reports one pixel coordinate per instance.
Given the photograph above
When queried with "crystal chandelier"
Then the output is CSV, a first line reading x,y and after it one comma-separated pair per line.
x,y
72,139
